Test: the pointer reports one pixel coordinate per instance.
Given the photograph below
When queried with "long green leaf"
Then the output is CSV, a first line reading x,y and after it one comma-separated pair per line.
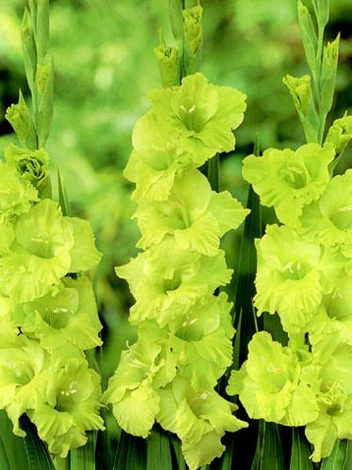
x,y
83,458
12,450
245,289
300,451
131,453
158,451
37,454
178,460
269,454
340,457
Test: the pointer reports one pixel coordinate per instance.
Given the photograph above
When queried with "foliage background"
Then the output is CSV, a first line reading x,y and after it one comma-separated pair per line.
x,y
105,65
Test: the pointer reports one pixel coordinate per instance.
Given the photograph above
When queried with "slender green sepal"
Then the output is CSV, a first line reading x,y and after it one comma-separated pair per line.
x,y
37,453
62,195
176,19
83,458
20,119
42,28
213,172
328,75
29,48
309,37
268,454
45,104
321,9
300,451
158,451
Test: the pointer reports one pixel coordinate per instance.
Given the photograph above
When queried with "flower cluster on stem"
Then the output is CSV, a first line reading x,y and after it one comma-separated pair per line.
x,y
184,330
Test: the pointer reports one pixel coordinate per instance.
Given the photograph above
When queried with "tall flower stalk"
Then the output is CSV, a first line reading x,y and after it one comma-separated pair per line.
x,y
304,265
184,329
48,310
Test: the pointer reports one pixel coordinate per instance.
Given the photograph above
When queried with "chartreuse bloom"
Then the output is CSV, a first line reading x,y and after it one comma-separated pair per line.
x,y
289,180
32,165
334,395
330,218
199,419
17,194
167,280
197,220
71,403
293,274
270,385
46,247
184,330
23,375
66,314
202,115
197,121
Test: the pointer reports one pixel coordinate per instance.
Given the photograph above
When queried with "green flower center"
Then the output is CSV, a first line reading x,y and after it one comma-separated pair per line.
x,y
334,409
190,117
294,176
65,399
295,270
57,317
172,284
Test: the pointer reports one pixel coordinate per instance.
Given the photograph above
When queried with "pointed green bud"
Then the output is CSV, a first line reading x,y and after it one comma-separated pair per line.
x,y
340,133
45,105
192,25
328,73
42,28
301,91
29,48
321,8
176,20
193,34
309,35
20,119
167,57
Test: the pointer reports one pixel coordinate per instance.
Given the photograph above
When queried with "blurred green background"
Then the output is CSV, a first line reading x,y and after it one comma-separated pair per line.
x,y
105,65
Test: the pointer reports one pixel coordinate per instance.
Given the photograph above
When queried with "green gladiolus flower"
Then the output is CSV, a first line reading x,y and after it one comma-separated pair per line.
x,y
40,253
68,313
203,342
23,376
71,405
32,165
334,421
166,280
269,384
194,214
199,419
289,180
288,278
132,390
330,219
203,115
17,194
